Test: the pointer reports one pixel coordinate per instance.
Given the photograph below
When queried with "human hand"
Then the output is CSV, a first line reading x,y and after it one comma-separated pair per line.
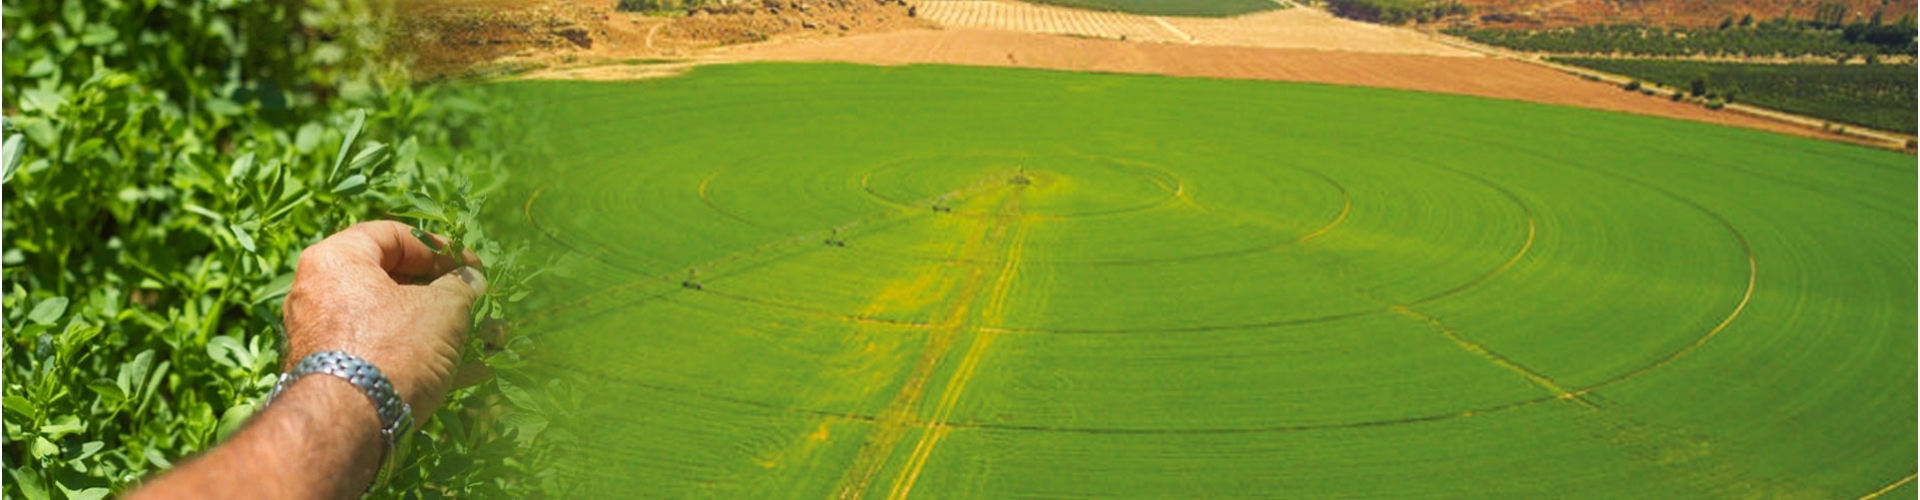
x,y
377,292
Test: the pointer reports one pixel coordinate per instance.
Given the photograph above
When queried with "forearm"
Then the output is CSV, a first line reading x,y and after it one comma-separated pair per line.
x,y
319,439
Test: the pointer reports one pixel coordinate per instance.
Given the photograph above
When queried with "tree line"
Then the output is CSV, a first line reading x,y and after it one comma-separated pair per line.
x,y
1396,11
1743,38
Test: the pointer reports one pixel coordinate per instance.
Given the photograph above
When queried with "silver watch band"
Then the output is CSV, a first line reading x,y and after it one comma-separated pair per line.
x,y
395,416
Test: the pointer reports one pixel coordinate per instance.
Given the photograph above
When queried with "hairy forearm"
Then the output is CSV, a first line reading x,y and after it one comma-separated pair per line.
x,y
319,439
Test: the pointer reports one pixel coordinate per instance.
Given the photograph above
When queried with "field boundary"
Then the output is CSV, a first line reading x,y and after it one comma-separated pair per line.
x,y
1852,133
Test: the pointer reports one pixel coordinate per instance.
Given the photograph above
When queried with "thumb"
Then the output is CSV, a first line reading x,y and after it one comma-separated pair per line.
x,y
465,283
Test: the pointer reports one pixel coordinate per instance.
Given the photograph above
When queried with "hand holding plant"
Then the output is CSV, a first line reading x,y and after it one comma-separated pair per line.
x,y
376,291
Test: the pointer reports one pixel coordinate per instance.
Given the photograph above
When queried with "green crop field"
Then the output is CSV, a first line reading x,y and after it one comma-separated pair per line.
x,y
1195,8
818,281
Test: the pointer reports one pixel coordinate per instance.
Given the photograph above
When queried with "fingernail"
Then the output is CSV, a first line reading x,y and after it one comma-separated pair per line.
x,y
473,278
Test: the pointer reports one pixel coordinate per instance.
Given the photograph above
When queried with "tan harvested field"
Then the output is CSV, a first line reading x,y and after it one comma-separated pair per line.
x,y
1302,28
1031,18
1294,28
1477,76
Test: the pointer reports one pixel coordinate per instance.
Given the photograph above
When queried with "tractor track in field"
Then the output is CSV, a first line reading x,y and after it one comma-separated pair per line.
x,y
1000,235
1889,488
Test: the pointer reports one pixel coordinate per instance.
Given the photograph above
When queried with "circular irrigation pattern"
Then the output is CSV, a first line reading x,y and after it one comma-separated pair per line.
x,y
907,281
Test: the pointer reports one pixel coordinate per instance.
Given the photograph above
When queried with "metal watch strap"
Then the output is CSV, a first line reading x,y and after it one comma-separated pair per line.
x,y
395,416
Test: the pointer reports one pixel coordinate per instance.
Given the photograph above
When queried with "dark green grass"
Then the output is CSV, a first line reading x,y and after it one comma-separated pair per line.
x,y
1877,96
1195,8
1209,289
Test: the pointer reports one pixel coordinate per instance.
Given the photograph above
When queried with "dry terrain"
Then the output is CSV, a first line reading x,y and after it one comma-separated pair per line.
x,y
1294,28
587,39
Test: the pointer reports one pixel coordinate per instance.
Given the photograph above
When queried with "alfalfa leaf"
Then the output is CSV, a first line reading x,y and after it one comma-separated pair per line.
x,y
351,186
48,311
241,167
240,233
15,147
425,205
353,134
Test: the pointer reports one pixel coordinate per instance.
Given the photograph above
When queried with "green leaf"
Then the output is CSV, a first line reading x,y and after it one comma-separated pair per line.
x,y
307,138
48,311
232,420
154,457
87,494
406,155
133,372
241,167
19,405
368,157
229,352
85,149
203,211
113,394
15,146
351,186
528,424
40,68
223,107
42,100
29,483
353,134
423,204
273,289
98,34
240,233
43,448
153,383
62,426
87,449
519,396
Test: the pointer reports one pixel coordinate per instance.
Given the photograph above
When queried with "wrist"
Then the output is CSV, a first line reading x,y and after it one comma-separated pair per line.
x,y
391,410
335,429
412,386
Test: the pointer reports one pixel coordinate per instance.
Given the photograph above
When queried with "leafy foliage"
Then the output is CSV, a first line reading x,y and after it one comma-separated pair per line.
x,y
1777,38
165,161
1396,11
1877,96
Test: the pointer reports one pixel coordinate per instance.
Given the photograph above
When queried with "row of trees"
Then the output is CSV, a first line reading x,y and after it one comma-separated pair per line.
x,y
1396,11
1881,97
1779,37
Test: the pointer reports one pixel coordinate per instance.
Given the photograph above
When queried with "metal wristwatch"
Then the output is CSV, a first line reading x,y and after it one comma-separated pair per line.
x,y
395,416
